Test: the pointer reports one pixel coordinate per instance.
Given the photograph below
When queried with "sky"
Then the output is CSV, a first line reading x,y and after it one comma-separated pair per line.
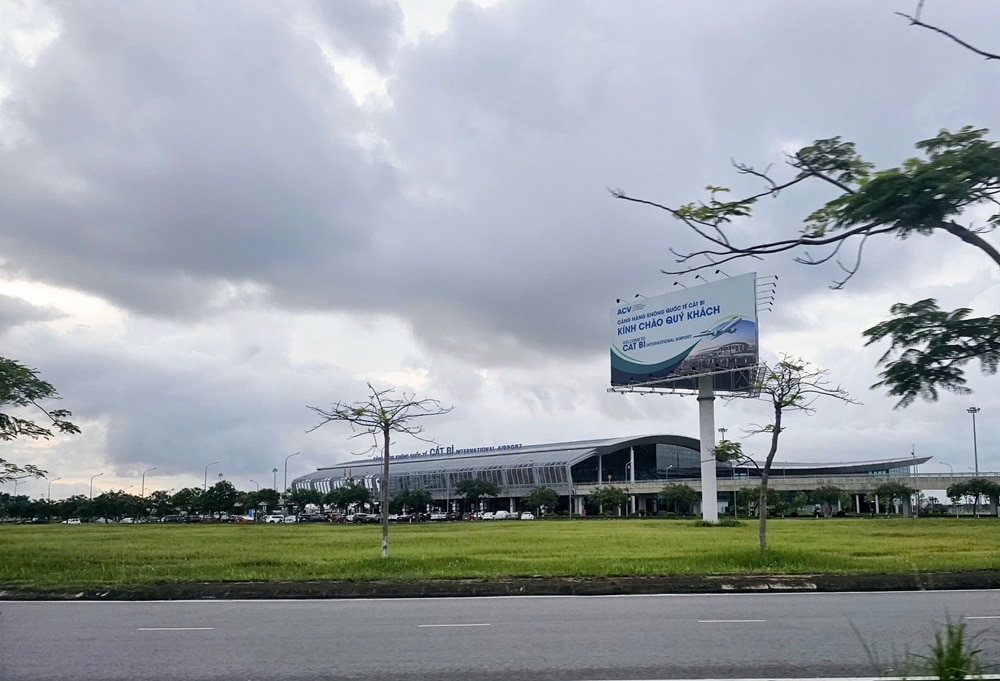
x,y
214,215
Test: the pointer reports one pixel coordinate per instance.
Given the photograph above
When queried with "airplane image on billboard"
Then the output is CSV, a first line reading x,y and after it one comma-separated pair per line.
x,y
708,329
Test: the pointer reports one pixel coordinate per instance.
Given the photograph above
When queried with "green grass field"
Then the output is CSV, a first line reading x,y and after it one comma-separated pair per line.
x,y
62,556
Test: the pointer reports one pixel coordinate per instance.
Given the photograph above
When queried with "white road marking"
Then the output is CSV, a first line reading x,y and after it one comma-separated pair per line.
x,y
728,621
175,628
983,617
480,624
990,677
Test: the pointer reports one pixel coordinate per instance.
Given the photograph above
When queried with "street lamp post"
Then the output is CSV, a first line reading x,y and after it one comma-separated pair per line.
x,y
206,474
975,448
274,483
142,493
49,495
256,483
92,483
951,470
285,486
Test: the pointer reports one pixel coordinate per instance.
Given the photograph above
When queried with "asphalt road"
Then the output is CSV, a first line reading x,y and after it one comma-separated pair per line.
x,y
483,639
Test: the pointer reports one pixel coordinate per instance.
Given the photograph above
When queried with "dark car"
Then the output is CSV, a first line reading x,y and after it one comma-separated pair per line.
x,y
173,519
312,517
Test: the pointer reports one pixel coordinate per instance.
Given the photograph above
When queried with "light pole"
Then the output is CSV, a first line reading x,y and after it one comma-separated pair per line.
x,y
975,448
256,483
285,487
951,471
206,474
722,431
274,483
142,493
49,495
666,472
92,483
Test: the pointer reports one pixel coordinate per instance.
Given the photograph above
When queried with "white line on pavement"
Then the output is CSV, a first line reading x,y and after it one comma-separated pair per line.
x,y
175,628
480,624
728,621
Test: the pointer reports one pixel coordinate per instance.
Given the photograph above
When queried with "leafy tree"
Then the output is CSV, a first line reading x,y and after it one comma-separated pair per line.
x,y
608,497
411,499
681,498
380,416
352,493
188,499
474,489
542,497
789,385
219,498
829,494
974,489
21,388
159,503
302,497
957,177
888,491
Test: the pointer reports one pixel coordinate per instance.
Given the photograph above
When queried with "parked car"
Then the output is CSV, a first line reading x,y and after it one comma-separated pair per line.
x,y
275,518
173,519
439,515
501,515
337,518
486,515
527,515
312,518
72,521
128,521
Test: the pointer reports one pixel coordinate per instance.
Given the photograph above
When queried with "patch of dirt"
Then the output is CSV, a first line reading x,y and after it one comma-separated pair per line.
x,y
520,586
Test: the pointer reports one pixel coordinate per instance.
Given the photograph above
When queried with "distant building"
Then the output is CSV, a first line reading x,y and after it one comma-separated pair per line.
x,y
641,465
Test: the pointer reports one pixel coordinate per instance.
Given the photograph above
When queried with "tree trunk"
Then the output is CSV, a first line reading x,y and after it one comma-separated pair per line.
x,y
384,497
764,474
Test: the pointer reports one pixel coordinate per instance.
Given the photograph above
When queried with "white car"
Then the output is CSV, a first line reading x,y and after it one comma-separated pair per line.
x,y
128,521
72,521
487,515
501,515
275,518
527,515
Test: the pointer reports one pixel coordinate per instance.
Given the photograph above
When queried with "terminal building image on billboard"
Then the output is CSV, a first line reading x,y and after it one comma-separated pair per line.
x,y
641,466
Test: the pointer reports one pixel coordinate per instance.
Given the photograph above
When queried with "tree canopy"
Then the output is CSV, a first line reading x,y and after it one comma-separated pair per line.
x,y
475,489
21,388
956,178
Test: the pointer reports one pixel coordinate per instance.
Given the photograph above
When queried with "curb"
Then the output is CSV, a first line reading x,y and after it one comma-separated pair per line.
x,y
518,586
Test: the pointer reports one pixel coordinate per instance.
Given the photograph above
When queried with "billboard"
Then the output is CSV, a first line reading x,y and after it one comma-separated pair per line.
x,y
674,337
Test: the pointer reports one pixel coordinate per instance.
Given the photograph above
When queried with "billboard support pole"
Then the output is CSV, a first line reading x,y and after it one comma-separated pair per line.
x,y
706,433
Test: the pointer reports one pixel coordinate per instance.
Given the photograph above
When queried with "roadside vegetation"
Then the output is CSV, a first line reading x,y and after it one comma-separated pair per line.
x,y
62,556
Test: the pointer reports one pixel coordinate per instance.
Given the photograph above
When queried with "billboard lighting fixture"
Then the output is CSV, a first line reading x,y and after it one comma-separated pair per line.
x,y
721,272
677,283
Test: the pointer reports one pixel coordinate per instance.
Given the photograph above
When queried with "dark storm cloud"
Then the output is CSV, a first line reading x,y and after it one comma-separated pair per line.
x,y
184,142
15,311
168,148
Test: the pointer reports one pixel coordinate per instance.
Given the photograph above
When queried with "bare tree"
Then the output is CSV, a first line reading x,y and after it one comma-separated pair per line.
x,y
380,415
915,20
789,385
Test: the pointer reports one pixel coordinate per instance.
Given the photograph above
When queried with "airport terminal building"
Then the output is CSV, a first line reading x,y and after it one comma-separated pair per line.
x,y
640,465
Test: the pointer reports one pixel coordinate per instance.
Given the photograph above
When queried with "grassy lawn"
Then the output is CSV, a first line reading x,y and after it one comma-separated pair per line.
x,y
114,555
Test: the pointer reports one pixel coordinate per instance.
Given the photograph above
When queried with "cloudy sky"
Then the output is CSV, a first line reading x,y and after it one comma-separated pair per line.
x,y
215,214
